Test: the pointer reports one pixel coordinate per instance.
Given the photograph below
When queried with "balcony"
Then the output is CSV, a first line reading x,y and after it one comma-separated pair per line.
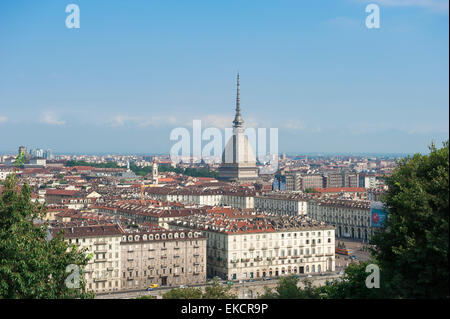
x,y
176,247
258,259
264,248
245,260
100,279
110,268
234,261
100,251
100,260
270,258
282,257
151,249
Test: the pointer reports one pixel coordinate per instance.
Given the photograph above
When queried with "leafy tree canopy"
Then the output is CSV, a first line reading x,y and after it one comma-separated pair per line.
x,y
412,252
287,288
30,265
213,291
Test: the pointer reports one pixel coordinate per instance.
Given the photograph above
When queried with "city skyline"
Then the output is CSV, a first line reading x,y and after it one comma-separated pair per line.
x,y
133,72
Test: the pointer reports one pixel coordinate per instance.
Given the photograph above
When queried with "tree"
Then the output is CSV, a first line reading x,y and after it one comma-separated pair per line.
x,y
214,291
146,297
218,291
412,251
30,265
287,288
184,293
352,285
310,190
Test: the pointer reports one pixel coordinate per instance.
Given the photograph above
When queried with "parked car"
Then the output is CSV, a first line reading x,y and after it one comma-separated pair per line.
x,y
152,286
267,278
309,276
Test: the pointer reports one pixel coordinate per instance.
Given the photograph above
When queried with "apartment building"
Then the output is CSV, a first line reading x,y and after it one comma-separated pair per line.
x,y
236,198
141,213
286,203
333,180
265,246
311,181
102,273
367,181
351,218
166,258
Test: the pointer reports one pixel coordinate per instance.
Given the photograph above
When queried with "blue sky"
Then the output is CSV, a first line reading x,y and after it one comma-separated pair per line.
x,y
137,69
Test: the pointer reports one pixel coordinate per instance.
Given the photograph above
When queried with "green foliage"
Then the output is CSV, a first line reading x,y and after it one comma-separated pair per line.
x,y
310,190
218,291
30,265
214,291
352,285
184,293
143,171
146,297
194,172
287,288
72,163
413,250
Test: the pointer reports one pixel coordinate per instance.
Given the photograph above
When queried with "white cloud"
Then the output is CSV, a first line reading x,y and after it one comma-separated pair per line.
x,y
295,125
153,121
3,119
50,118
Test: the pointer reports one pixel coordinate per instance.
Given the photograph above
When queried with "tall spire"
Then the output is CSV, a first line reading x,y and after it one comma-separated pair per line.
x,y
238,121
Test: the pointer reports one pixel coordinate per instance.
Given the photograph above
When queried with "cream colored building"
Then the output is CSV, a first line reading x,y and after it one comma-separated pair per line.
x,y
165,258
264,247
283,204
351,218
102,273
210,197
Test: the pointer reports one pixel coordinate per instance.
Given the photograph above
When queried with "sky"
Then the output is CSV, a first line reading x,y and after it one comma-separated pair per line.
x,y
135,70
